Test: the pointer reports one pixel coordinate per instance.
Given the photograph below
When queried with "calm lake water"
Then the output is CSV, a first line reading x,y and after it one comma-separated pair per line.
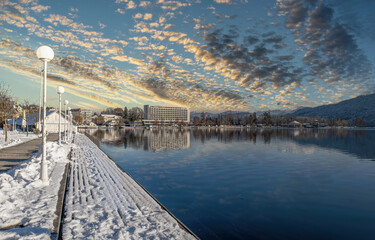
x,y
256,184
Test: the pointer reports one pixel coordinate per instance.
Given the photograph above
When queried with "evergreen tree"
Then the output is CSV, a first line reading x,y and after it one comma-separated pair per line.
x,y
126,113
203,119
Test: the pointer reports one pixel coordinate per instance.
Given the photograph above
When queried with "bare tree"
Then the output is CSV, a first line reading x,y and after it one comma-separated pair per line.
x,y
99,120
79,119
6,107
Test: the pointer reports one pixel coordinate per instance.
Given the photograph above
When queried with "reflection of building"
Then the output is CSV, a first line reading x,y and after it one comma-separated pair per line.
x,y
163,140
165,114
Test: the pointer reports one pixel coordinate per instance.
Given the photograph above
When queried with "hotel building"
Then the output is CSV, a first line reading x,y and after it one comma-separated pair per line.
x,y
165,114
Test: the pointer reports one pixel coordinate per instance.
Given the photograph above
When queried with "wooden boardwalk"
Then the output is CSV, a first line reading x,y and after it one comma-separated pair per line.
x,y
14,155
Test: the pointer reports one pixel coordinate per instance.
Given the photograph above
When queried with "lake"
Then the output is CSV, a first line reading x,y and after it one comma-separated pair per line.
x,y
256,184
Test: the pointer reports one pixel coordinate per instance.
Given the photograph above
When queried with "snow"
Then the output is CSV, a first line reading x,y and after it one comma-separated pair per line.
x,y
25,201
14,138
104,202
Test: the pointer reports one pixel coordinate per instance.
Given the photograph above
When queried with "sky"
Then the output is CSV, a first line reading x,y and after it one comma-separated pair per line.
x,y
208,55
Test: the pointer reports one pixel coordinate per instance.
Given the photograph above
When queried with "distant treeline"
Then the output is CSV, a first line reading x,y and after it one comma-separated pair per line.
x,y
266,119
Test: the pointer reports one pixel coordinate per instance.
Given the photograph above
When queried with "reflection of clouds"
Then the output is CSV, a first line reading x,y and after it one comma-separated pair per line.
x,y
208,148
292,147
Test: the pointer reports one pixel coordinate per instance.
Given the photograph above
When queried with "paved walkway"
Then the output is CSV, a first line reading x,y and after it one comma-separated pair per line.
x,y
14,155
103,202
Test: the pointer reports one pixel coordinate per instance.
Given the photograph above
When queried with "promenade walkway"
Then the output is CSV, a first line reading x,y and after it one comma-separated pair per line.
x,y
14,155
104,202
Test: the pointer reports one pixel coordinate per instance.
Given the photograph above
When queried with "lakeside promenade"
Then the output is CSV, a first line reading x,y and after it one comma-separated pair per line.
x,y
14,155
102,201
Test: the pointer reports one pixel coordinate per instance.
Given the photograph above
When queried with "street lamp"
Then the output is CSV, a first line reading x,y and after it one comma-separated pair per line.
x,y
45,54
66,102
70,123
60,90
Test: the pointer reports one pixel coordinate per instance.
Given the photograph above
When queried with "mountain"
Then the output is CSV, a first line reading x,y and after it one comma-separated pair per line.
x,y
359,107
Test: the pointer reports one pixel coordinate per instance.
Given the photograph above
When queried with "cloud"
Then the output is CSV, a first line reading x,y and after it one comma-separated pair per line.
x,y
147,16
40,8
119,10
223,1
131,5
144,4
101,25
251,62
138,16
172,5
331,50
129,59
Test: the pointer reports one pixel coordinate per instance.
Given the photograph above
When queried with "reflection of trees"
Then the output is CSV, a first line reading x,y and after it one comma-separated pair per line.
x,y
358,142
133,139
267,136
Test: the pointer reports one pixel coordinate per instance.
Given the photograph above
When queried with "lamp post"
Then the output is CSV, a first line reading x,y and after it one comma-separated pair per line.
x,y
70,123
45,54
40,99
66,102
60,90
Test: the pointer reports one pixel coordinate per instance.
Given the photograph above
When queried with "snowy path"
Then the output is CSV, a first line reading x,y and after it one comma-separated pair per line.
x,y
104,202
27,207
15,138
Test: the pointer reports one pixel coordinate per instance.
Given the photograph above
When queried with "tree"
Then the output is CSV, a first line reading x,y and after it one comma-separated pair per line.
x,y
253,119
267,118
243,121
79,119
126,113
135,114
99,120
220,119
196,121
119,111
203,119
6,107
109,110
230,119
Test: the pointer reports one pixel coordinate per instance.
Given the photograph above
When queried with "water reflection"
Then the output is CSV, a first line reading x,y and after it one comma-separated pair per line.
x,y
255,184
355,142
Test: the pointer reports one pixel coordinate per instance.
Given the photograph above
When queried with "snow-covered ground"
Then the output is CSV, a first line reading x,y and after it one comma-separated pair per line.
x,y
15,138
104,202
25,202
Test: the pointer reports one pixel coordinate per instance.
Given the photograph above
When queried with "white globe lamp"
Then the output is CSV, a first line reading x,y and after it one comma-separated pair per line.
x,y
45,54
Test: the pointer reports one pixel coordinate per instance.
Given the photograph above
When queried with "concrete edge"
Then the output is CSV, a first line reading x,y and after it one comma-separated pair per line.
x,y
57,222
96,142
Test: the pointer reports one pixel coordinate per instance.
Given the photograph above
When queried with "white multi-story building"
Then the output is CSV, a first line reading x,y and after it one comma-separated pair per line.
x,y
165,114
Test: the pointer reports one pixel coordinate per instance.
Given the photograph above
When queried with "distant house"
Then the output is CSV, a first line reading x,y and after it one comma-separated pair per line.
x,y
294,124
52,121
110,123
108,117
